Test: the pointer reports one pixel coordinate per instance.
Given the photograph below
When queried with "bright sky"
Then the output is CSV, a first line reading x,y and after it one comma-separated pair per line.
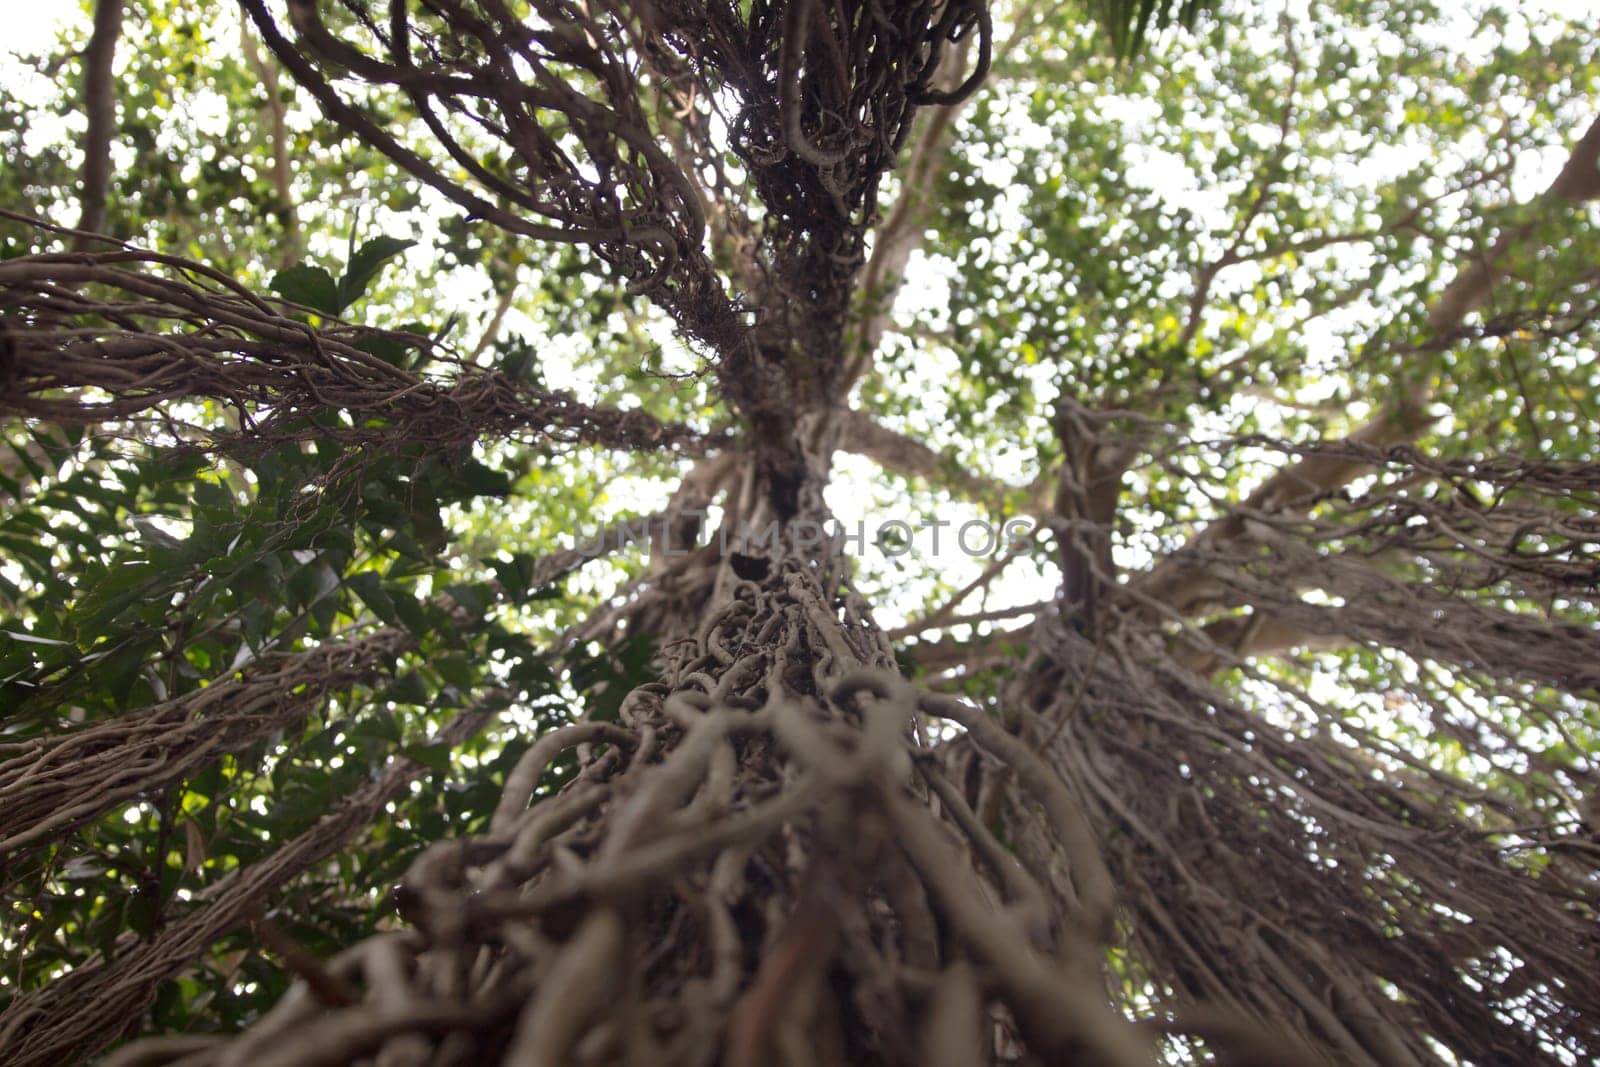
x,y
30,26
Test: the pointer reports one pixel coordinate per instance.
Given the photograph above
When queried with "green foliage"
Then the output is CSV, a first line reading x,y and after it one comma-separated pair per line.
x,y
315,288
134,578
1129,23
312,287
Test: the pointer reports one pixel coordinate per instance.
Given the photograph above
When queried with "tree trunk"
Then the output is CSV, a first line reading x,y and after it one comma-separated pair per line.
x,y
764,860
99,103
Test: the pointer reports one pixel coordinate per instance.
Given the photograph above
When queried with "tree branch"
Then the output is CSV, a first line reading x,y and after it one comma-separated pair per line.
x,y
1259,633
902,230
192,332
859,433
278,139
99,104
105,995
1180,584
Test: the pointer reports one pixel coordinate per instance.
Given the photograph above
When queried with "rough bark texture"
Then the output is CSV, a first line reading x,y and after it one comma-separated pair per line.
x,y
100,105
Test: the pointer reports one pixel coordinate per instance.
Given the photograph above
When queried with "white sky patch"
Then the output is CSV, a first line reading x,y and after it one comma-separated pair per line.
x,y
32,26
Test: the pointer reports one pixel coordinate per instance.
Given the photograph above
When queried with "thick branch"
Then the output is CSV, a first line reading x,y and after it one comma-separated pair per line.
x,y
1088,491
199,334
91,1007
99,104
60,782
899,236
1242,636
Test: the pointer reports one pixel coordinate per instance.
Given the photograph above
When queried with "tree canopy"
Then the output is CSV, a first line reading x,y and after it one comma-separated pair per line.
x,y
789,532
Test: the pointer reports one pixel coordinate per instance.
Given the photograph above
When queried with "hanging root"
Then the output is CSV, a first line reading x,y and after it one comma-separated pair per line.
x,y
748,861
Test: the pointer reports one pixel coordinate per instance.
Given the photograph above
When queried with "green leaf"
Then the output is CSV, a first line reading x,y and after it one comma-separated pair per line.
x,y
426,521
1128,22
412,616
369,587
409,688
17,635
311,287
473,598
515,573
455,670
434,757
517,363
476,479
365,263
396,349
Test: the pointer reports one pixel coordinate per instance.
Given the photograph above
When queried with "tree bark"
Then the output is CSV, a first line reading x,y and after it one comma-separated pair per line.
x,y
99,104
278,143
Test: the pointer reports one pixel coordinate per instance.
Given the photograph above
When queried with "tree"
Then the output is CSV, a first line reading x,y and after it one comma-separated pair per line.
x,y
328,659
